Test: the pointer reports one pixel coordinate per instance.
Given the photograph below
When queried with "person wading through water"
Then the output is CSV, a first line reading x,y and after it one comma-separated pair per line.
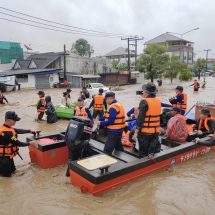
x,y
9,144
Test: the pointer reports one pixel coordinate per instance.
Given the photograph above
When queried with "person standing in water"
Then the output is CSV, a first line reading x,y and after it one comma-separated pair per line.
x,y
41,105
2,98
195,85
50,111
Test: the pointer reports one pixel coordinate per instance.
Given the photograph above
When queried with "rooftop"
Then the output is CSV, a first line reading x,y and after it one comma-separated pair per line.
x,y
119,51
166,37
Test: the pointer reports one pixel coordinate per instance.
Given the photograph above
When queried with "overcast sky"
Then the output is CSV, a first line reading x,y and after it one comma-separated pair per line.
x,y
147,18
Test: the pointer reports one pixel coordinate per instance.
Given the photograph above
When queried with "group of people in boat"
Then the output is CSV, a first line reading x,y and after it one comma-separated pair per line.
x,y
144,125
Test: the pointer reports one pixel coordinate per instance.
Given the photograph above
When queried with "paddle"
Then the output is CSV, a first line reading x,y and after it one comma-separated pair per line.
x,y
190,110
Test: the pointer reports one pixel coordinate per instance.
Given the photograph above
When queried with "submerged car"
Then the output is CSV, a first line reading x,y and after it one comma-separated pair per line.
x,y
93,88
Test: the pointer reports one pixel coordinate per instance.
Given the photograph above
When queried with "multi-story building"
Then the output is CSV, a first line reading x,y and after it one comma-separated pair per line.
x,y
175,46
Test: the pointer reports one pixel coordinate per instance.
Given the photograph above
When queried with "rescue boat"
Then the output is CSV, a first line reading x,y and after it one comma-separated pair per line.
x,y
51,152
100,173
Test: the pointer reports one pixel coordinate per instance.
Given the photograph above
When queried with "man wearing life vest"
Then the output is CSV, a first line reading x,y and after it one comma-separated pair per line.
x,y
180,100
9,144
148,121
195,85
98,103
81,110
206,123
41,105
115,123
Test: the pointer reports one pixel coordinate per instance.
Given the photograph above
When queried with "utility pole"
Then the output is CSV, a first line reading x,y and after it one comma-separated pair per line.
x,y
64,63
129,40
206,63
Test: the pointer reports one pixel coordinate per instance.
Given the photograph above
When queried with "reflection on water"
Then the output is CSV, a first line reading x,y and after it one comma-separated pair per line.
x,y
188,188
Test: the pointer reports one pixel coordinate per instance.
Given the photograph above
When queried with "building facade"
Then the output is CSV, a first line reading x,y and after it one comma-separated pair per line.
x,y
176,46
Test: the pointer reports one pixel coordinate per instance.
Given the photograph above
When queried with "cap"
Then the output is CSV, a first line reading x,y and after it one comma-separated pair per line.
x,y
109,94
101,90
205,111
149,88
180,88
80,99
41,93
12,115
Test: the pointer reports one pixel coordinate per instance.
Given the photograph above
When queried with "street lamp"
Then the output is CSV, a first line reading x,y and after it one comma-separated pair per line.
x,y
181,45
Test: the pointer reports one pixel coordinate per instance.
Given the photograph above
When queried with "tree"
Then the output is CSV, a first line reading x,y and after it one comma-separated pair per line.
x,y
82,48
173,68
200,66
115,64
119,66
186,74
153,62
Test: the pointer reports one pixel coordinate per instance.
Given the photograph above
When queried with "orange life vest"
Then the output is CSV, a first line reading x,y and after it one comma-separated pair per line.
x,y
204,123
182,105
151,122
42,105
125,139
8,150
98,102
119,121
80,111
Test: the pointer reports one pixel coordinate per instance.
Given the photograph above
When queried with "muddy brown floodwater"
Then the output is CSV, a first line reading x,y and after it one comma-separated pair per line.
x,y
188,188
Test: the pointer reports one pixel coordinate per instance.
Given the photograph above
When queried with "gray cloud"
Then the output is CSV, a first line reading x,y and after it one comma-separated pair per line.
x,y
142,17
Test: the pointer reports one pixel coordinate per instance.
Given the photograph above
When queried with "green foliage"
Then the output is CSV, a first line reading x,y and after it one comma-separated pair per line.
x,y
119,66
122,67
173,68
153,62
82,48
200,65
115,64
186,74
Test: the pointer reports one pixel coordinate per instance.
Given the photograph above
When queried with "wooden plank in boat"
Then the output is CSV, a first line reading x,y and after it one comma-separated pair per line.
x,y
123,156
96,162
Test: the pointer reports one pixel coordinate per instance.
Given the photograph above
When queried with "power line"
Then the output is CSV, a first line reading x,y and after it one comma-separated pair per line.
x,y
54,26
58,23
57,30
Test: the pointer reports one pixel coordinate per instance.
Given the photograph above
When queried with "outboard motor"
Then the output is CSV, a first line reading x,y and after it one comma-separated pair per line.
x,y
77,137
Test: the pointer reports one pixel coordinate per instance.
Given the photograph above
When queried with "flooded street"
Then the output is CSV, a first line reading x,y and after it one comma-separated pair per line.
x,y
185,189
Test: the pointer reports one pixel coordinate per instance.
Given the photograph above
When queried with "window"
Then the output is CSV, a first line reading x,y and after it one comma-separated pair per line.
x,y
22,78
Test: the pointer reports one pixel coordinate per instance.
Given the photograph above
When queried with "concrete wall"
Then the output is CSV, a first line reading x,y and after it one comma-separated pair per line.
x,y
84,65
31,81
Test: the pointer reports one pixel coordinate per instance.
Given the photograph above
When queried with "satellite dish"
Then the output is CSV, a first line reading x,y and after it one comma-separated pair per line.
x,y
27,47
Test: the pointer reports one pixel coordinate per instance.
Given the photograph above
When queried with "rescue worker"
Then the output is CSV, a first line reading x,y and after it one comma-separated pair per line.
x,y
115,123
2,98
204,83
180,99
126,137
176,127
41,105
66,101
148,121
50,111
206,123
195,85
68,91
98,103
81,110
9,144
84,93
